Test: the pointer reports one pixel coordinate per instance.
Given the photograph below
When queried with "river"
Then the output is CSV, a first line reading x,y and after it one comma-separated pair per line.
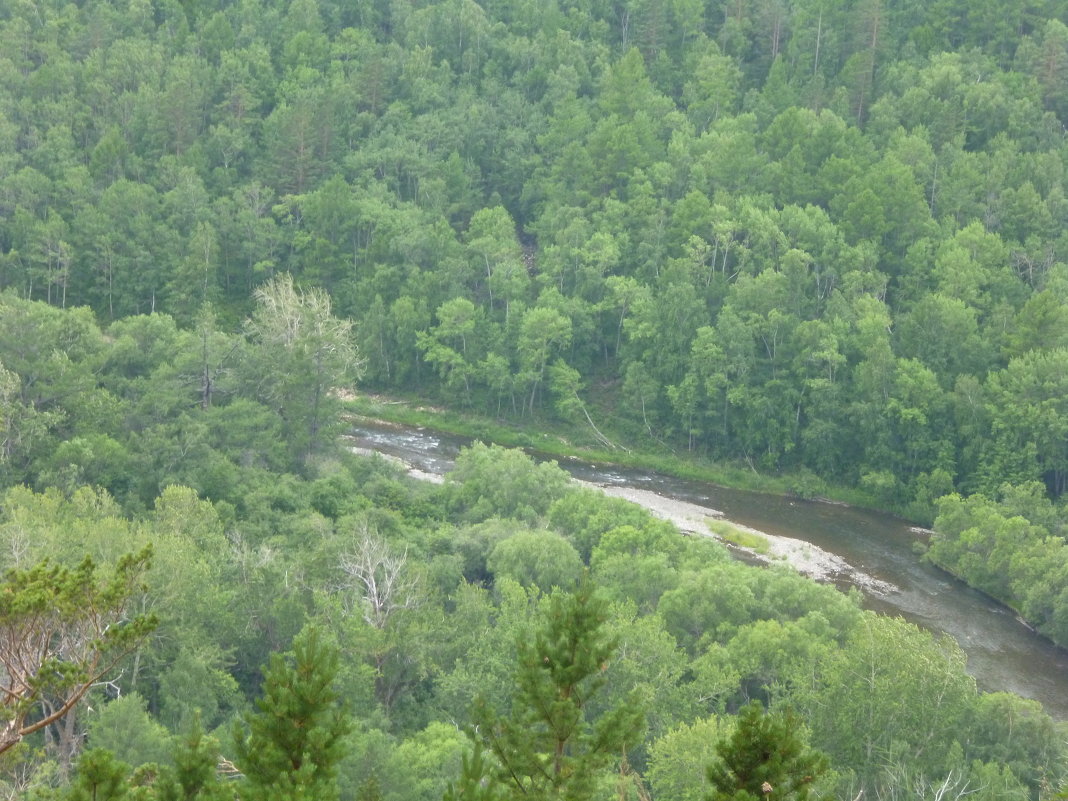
x,y
1003,654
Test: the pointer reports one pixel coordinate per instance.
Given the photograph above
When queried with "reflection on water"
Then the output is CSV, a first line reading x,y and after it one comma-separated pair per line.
x,y
1003,654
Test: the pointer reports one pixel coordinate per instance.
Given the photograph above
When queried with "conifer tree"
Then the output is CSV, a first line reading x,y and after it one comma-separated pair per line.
x,y
548,747
193,776
294,742
99,777
474,783
766,758
61,631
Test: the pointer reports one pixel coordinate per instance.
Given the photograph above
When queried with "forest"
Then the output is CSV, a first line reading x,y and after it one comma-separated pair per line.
x,y
815,238
414,607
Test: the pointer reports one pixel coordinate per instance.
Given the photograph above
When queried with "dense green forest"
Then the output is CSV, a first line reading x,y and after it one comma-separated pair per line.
x,y
814,237
749,229
391,615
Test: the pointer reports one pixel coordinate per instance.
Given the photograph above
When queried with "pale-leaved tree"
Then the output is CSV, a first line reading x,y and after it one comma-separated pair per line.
x,y
302,356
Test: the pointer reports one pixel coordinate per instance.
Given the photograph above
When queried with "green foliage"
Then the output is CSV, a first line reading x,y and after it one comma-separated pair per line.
x,y
738,536
679,759
428,759
876,698
99,777
472,784
739,231
707,605
1008,549
541,559
125,729
585,516
302,356
494,481
294,741
193,775
1015,733
61,630
766,756
548,745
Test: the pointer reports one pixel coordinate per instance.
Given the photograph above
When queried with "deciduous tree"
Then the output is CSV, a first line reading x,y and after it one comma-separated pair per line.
x,y
303,354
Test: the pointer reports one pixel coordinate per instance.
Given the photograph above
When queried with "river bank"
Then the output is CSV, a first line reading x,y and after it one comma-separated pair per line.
x,y
563,442
690,518
804,557
1002,654
694,519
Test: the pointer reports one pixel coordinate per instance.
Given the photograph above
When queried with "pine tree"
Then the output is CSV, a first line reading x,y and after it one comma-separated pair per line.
x,y
294,742
61,631
765,759
193,776
99,777
474,783
548,747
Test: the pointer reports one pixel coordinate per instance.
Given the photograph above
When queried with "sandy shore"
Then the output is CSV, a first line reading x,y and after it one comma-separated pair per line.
x,y
804,557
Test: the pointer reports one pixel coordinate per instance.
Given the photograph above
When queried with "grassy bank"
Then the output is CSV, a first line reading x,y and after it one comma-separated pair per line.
x,y
564,441
729,532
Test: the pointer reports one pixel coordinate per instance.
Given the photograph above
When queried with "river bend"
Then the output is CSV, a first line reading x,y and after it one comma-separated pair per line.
x,y
1003,654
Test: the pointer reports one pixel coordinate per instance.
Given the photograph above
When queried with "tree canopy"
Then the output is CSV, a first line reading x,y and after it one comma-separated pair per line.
x,y
822,241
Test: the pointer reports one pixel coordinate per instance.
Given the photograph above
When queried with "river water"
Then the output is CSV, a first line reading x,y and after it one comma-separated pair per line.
x,y
1003,654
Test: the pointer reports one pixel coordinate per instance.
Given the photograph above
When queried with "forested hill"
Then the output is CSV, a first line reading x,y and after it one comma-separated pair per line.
x,y
805,234
821,237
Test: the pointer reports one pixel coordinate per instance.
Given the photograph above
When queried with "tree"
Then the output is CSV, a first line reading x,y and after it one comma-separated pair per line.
x,y
542,559
20,424
446,344
708,604
766,757
1028,405
493,246
380,578
126,729
489,480
303,355
678,760
891,690
100,777
193,776
542,332
296,138
61,631
472,785
548,747
1016,733
295,740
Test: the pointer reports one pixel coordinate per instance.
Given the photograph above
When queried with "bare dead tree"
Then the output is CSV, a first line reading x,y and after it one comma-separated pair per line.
x,y
380,576
902,782
19,777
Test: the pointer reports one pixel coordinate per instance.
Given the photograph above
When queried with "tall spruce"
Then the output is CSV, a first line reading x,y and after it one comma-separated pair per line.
x,y
550,746
765,758
293,743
